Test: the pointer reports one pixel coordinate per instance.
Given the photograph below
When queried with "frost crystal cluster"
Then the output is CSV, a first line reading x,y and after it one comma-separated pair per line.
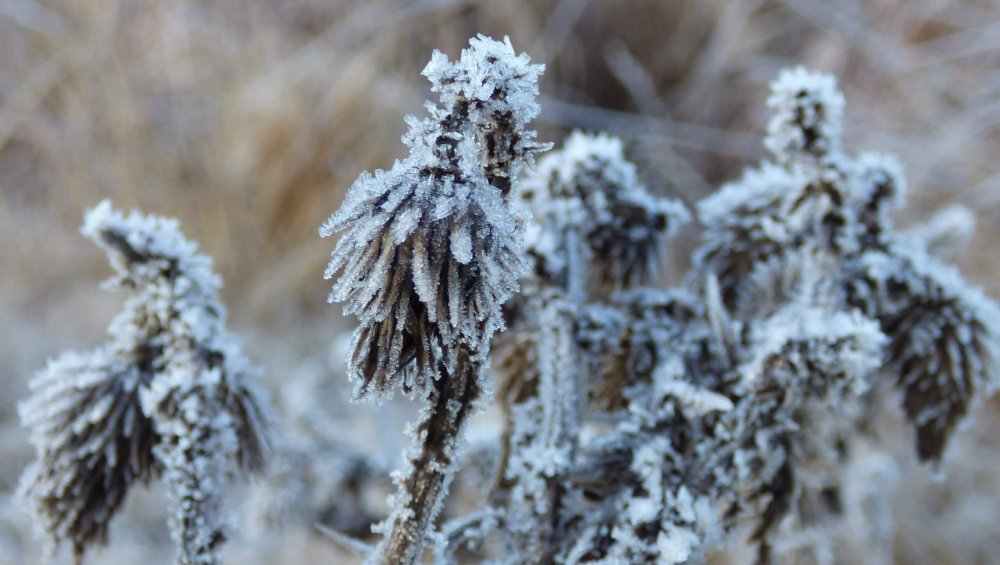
x,y
168,395
429,253
644,423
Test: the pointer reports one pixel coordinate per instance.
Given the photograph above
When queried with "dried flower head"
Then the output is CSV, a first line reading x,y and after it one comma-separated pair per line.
x,y
431,251
944,338
169,394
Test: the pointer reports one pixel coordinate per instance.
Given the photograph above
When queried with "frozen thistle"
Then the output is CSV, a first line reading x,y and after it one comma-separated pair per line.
x,y
430,252
168,394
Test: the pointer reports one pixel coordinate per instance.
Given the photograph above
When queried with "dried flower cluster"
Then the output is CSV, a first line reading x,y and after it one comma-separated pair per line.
x,y
168,395
644,424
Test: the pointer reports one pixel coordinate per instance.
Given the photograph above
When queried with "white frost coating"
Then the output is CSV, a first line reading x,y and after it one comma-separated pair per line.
x,y
807,111
880,172
157,237
581,151
770,213
692,399
945,336
658,520
758,190
545,424
835,343
740,397
675,545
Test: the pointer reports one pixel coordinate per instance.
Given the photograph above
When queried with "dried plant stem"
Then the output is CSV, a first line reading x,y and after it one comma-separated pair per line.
x,y
431,465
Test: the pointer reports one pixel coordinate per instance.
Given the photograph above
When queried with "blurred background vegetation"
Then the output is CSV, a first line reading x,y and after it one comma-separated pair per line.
x,y
248,119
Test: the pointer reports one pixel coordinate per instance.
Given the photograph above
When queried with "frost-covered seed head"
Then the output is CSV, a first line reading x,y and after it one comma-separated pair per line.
x,y
587,196
431,250
944,337
489,74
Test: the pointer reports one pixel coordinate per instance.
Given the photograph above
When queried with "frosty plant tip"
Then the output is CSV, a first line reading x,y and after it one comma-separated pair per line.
x,y
430,252
168,395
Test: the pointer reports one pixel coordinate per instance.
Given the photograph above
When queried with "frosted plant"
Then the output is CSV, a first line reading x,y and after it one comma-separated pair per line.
x,y
798,200
595,229
596,223
544,417
943,333
815,205
169,394
735,399
644,424
431,250
809,368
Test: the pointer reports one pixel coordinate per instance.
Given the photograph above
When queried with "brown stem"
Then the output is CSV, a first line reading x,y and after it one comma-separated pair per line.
x,y
432,467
